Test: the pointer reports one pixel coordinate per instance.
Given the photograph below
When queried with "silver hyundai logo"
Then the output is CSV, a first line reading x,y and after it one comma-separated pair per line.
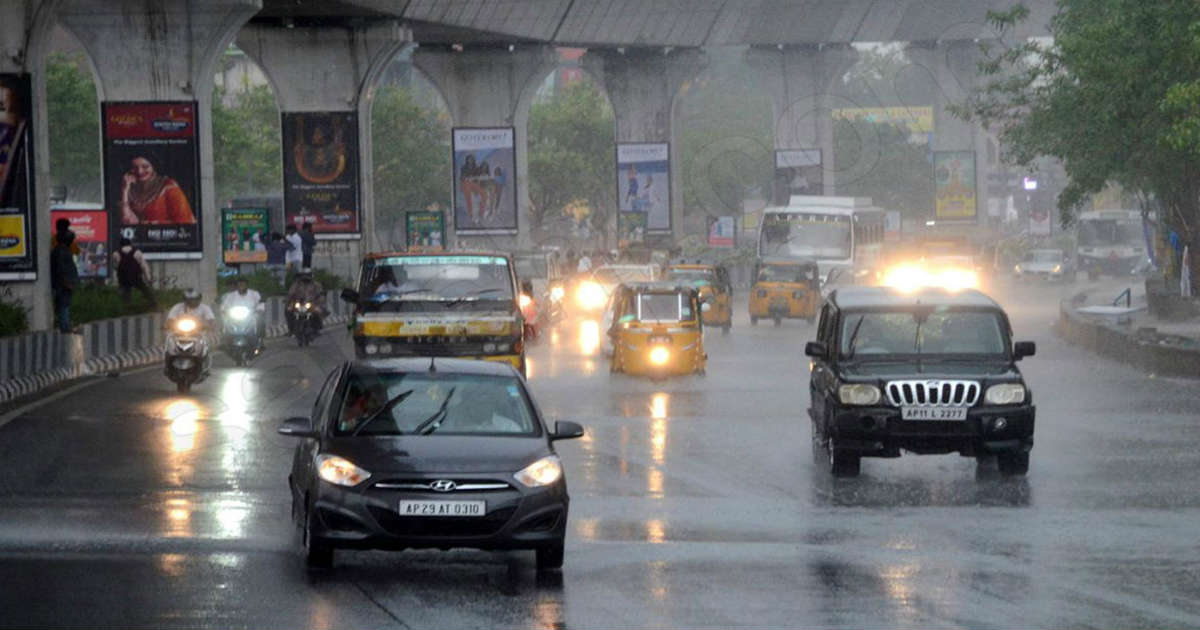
x,y
443,485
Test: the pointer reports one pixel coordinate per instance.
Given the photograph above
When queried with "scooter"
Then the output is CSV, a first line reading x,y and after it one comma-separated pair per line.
x,y
186,357
240,328
304,316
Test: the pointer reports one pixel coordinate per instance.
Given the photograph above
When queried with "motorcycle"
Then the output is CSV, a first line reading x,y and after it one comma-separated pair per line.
x,y
186,357
529,312
304,318
240,325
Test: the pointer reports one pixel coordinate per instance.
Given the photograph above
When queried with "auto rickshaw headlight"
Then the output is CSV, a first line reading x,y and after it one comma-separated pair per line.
x,y
659,355
859,394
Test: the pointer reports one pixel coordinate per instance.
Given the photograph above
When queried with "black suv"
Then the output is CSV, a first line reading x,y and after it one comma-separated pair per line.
x,y
928,372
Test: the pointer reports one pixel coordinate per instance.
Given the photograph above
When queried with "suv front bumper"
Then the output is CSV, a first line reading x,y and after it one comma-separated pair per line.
x,y
880,432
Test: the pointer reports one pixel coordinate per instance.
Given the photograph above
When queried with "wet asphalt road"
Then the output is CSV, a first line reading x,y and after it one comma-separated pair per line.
x,y
695,504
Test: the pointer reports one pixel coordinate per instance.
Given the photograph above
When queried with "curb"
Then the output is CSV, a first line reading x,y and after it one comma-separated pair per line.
x,y
1124,345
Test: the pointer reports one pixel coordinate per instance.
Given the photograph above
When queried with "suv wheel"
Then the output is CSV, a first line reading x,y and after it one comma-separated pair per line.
x,y
1013,464
843,463
315,556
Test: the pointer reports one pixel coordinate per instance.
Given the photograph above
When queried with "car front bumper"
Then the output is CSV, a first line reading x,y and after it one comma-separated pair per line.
x,y
880,431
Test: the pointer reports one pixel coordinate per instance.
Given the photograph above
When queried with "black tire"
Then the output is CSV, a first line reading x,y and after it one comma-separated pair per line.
x,y
550,557
1013,464
819,454
315,556
183,387
843,463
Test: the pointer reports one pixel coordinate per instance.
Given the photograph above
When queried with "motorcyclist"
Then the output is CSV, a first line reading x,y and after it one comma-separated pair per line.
x,y
243,295
192,307
529,309
306,289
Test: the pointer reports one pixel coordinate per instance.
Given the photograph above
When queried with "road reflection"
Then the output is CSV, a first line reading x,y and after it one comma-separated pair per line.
x,y
867,491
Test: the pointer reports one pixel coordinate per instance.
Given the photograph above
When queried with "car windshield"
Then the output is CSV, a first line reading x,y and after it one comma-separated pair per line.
x,y
692,276
392,283
785,273
1044,255
617,275
433,404
941,331
664,307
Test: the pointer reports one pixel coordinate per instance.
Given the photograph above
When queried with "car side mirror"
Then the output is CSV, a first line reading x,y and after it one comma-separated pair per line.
x,y
816,349
297,427
350,295
566,430
1022,349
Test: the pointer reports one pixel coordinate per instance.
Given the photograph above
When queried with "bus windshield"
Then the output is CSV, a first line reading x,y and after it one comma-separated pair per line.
x,y
805,235
1094,232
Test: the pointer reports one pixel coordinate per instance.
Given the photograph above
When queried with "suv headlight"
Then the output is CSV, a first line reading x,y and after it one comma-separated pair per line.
x,y
859,394
1005,394
543,472
340,471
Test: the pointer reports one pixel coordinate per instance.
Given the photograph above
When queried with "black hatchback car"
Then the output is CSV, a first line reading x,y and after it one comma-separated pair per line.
x,y
930,371
428,453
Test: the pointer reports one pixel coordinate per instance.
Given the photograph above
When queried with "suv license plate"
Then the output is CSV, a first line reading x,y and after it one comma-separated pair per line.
x,y
933,413
443,508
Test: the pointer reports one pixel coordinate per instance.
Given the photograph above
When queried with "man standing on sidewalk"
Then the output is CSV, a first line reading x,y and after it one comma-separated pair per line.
x,y
308,242
295,255
64,277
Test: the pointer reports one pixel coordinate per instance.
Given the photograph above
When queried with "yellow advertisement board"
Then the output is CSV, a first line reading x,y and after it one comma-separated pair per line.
x,y
12,236
918,120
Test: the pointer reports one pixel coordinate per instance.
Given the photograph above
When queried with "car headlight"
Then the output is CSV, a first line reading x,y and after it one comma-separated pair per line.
x,y
859,394
590,295
239,313
556,293
659,355
1005,394
543,472
185,325
340,471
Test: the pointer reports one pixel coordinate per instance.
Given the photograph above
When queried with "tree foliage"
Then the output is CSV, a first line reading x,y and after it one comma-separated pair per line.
x,y
571,155
411,146
1114,98
73,116
246,143
895,173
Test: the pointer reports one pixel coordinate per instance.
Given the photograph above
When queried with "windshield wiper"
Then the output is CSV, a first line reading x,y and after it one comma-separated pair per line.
x,y
854,337
432,423
399,398
473,294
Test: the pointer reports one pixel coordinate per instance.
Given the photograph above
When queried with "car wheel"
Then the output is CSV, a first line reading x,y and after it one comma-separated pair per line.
x,y
1013,464
315,556
819,455
550,557
843,463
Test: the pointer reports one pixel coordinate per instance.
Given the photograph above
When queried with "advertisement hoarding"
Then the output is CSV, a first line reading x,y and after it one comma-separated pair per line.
x,y
954,185
244,234
631,229
918,120
644,182
425,231
152,176
485,180
721,231
18,248
797,172
91,234
320,172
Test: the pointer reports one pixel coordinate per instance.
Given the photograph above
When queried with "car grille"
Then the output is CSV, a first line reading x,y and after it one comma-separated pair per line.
x,y
440,527
932,393
460,485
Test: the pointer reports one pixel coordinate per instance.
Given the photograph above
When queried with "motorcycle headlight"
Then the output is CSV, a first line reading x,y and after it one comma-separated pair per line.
x,y
1005,394
239,313
307,305
859,394
543,472
185,325
340,471
296,306
556,293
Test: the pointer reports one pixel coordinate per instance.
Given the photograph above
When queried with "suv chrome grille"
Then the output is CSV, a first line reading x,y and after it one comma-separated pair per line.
x,y
932,393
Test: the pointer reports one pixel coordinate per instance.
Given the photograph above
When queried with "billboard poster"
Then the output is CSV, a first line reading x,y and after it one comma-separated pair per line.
x,y
320,172
797,172
244,233
90,226
18,253
954,184
426,231
152,175
631,229
918,120
644,182
485,182
721,231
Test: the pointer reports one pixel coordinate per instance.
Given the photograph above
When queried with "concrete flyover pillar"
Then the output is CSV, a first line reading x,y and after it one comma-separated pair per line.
x,y
642,85
491,87
331,69
165,50
25,27
803,83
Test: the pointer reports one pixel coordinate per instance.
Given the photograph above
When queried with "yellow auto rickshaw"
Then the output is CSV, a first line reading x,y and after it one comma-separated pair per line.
x,y
655,330
713,285
785,290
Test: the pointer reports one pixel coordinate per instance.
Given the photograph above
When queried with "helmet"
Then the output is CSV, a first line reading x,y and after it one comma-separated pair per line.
x,y
192,297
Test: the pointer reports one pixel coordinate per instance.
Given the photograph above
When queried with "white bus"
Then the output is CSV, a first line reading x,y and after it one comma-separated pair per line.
x,y
833,231
1111,241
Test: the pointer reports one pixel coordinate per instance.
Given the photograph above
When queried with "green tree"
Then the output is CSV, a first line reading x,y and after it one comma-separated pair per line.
x,y
412,155
571,154
246,143
879,161
73,116
1115,98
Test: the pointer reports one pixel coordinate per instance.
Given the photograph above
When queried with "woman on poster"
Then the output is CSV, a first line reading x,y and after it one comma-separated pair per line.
x,y
147,197
468,182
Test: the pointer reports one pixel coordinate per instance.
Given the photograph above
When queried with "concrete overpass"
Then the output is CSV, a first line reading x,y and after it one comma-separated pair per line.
x,y
486,58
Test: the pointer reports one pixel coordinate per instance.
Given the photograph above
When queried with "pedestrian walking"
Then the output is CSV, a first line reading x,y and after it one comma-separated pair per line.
x,y
64,277
132,272
308,242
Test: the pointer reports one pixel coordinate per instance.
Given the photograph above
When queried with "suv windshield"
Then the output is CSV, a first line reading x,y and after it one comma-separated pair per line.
x,y
404,281
432,403
1044,255
943,331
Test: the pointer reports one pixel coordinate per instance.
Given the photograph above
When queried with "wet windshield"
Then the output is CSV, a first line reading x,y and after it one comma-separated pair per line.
x,y
785,273
664,307
806,235
1096,232
692,276
391,403
1044,255
907,332
404,281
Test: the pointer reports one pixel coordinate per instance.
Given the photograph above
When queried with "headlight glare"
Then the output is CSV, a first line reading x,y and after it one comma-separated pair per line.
x,y
543,472
239,313
859,394
1005,394
340,471
590,295
659,355
186,325
556,293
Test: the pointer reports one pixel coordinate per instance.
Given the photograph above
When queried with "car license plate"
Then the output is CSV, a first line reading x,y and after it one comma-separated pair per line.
x,y
933,413
443,508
